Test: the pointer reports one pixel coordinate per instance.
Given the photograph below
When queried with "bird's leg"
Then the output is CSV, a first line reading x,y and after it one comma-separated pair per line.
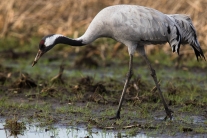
x,y
129,75
167,110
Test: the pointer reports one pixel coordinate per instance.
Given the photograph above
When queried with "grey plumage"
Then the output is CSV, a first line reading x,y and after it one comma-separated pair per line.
x,y
188,32
134,26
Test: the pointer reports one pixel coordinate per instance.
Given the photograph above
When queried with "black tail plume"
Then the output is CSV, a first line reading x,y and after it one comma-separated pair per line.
x,y
199,53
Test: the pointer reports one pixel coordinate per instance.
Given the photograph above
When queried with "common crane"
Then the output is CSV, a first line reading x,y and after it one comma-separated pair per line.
x,y
135,26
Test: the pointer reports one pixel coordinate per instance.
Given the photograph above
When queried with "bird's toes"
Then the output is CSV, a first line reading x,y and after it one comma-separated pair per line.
x,y
114,118
169,113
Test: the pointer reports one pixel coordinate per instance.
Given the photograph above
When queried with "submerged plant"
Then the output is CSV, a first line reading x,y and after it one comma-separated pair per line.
x,y
15,127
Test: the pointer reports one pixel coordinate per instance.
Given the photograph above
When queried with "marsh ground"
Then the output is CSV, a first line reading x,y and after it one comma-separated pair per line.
x,y
88,88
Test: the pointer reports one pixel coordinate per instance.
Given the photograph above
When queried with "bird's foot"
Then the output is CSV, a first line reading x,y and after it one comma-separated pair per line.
x,y
115,117
168,114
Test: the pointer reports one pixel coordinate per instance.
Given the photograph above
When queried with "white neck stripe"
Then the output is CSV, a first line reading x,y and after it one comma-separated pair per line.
x,y
50,40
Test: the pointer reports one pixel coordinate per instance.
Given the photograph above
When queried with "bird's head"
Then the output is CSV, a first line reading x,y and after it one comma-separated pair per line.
x,y
45,45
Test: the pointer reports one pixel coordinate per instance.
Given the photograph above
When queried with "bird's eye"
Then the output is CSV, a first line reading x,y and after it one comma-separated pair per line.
x,y
41,45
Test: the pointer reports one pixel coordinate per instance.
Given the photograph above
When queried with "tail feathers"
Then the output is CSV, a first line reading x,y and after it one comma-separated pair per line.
x,y
184,26
175,40
198,52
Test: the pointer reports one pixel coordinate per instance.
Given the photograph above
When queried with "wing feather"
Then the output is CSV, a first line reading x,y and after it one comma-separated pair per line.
x,y
137,23
188,33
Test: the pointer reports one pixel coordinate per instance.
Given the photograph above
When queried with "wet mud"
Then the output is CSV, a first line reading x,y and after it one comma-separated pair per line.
x,y
85,101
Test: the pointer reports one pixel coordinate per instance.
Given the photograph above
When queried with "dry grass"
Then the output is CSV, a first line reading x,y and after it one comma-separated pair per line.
x,y
28,18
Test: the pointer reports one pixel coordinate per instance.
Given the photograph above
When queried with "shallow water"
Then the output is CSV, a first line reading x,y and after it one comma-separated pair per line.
x,y
57,131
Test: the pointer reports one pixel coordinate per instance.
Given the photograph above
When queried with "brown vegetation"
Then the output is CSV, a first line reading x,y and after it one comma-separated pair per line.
x,y
37,18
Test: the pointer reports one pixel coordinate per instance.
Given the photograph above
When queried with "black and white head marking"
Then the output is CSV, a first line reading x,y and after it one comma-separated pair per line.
x,y
50,40
42,45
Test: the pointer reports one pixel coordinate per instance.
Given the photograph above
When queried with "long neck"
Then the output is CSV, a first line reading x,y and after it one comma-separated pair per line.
x,y
69,41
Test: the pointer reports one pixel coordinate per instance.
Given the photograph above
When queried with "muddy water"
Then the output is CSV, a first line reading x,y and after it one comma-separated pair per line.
x,y
58,131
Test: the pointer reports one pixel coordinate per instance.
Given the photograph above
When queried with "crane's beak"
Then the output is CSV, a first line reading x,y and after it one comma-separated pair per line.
x,y
39,54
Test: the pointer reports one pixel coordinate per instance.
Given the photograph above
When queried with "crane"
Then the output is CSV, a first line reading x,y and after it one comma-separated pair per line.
x,y
134,26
